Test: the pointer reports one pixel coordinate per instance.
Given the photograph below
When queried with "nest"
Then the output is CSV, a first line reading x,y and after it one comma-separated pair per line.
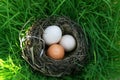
x,y
34,48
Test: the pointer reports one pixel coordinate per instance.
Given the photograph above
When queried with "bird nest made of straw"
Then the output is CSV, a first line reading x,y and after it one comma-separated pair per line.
x,y
34,48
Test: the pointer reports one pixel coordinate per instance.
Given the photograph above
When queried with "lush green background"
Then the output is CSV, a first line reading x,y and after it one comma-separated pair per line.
x,y
100,19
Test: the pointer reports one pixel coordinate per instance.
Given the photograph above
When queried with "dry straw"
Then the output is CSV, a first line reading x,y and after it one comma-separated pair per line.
x,y
34,48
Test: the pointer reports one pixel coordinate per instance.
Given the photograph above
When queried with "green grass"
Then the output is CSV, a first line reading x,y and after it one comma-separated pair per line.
x,y
100,19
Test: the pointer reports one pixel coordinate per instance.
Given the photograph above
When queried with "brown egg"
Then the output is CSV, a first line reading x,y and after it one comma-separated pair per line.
x,y
56,51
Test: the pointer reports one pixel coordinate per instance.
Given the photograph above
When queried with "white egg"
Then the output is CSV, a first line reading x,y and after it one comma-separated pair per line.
x,y
52,34
68,42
